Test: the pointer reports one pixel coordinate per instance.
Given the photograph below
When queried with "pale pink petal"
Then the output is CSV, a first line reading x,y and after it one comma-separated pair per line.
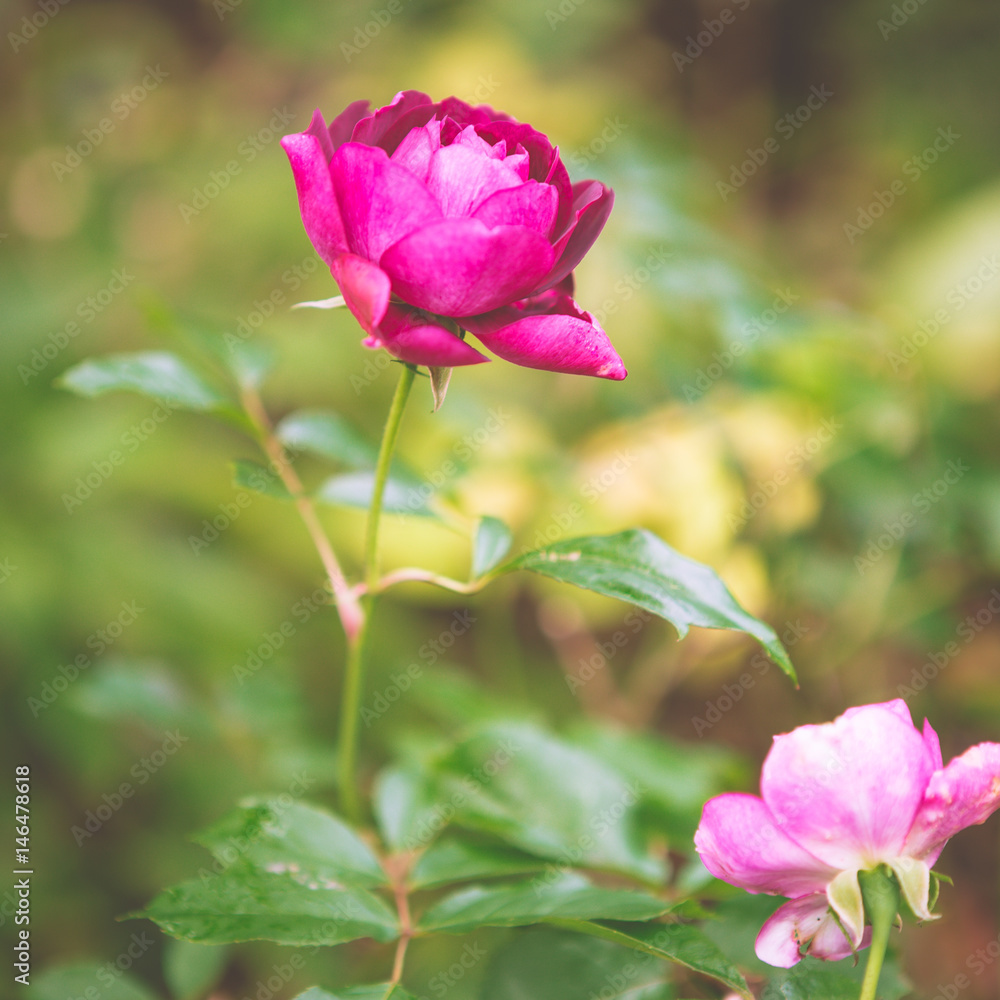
x,y
459,267
807,925
417,148
532,204
550,332
933,745
365,288
847,791
380,201
740,843
317,203
964,793
413,336
472,140
461,179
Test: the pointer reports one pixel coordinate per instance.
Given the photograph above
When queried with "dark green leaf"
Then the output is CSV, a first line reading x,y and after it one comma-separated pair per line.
x,y
328,435
355,489
243,905
638,567
309,844
549,964
254,476
191,970
68,981
680,943
492,543
546,796
457,859
380,991
159,374
565,897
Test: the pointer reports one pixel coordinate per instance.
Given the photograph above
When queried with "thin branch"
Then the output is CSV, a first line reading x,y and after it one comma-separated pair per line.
x,y
348,606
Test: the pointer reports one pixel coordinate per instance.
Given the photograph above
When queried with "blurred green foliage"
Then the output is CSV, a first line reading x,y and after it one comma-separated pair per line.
x,y
811,409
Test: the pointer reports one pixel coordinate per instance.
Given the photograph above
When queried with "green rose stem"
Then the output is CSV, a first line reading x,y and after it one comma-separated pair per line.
x,y
880,892
350,705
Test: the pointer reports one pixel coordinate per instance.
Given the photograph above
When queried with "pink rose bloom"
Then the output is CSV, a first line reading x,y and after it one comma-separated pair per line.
x,y
439,218
836,799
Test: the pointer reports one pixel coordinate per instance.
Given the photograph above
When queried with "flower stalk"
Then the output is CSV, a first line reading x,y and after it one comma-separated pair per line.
x,y
880,892
350,705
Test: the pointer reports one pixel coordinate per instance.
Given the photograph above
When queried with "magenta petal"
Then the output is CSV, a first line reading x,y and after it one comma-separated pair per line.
x,y
592,203
317,202
387,126
532,204
459,267
964,793
365,288
408,335
847,791
342,127
380,201
806,921
740,843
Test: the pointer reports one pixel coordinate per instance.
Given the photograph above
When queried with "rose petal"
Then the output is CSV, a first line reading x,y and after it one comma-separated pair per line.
x,y
933,745
417,148
847,791
532,204
592,203
317,203
805,921
388,125
461,179
558,338
380,201
459,267
740,843
365,288
409,335
964,793
342,127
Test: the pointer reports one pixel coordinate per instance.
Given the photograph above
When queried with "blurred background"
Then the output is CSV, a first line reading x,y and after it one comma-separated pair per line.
x,y
801,273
